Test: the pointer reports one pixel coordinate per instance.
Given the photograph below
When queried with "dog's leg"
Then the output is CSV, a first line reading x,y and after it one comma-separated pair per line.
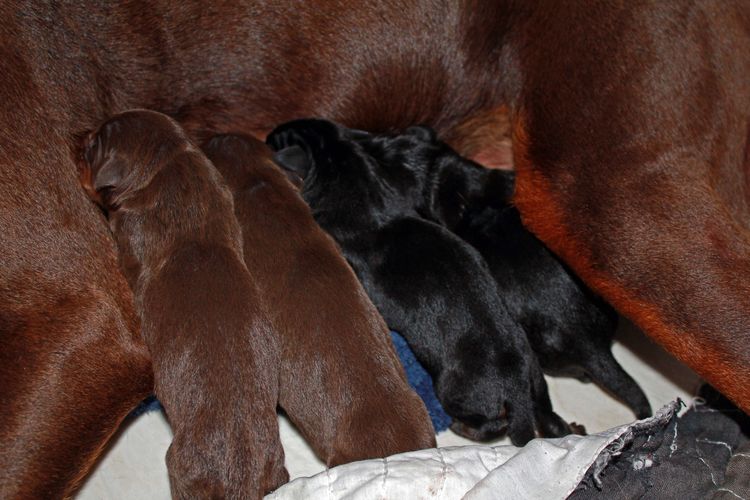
x,y
71,364
69,372
660,244
551,424
607,372
630,154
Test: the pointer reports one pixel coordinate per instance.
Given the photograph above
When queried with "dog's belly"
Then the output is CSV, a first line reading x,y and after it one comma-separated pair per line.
x,y
485,137
248,68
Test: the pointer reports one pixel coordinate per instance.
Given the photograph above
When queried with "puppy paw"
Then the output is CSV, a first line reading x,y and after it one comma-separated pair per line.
x,y
578,429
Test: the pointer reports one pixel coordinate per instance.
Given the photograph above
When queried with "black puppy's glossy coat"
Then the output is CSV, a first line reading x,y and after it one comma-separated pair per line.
x,y
428,284
569,327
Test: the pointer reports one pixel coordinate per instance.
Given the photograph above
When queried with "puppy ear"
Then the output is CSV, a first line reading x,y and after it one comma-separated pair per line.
x,y
109,174
295,161
299,143
312,134
422,132
358,135
107,170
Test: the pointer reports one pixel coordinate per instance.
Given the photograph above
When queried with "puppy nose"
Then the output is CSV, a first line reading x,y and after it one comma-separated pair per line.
x,y
458,427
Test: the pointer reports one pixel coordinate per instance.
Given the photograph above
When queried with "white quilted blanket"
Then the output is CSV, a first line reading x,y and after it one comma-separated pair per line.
x,y
545,469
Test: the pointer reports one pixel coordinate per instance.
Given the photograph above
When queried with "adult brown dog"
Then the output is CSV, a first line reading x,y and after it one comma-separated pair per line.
x,y
630,125
341,380
215,356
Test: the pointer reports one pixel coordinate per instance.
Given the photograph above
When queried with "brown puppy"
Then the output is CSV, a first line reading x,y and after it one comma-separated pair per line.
x,y
215,357
341,381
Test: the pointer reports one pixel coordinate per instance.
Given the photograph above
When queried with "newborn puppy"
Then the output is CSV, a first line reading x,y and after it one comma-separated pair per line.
x,y
428,284
341,381
215,357
569,328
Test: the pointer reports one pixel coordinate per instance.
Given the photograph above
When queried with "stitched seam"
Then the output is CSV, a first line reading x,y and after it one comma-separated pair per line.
x,y
330,486
484,463
673,446
385,474
703,440
709,470
732,492
443,473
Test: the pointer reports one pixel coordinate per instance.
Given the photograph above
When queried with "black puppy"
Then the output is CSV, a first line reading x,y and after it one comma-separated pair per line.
x,y
569,327
428,284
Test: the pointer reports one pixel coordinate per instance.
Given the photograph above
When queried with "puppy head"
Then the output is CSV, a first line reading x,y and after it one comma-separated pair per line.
x,y
487,400
124,154
310,146
331,166
237,157
444,175
451,183
411,153
476,414
423,173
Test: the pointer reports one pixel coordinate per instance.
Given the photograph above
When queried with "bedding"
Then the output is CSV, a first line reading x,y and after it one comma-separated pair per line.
x,y
701,454
544,468
133,467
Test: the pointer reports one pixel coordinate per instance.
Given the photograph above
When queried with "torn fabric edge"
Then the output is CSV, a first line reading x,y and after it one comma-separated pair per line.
x,y
545,468
647,426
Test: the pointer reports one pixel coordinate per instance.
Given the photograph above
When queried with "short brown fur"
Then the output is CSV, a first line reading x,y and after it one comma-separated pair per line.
x,y
341,381
215,356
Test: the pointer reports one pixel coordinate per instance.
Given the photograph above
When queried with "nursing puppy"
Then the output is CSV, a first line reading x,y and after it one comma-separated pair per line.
x,y
341,381
568,326
215,357
428,284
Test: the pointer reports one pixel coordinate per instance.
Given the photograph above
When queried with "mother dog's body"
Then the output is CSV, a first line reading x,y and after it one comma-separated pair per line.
x,y
630,126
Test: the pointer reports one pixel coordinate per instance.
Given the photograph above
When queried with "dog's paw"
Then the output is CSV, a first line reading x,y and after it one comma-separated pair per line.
x,y
578,429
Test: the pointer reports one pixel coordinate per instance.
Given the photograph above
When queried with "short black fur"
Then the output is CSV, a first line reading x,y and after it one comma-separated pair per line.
x,y
428,283
568,326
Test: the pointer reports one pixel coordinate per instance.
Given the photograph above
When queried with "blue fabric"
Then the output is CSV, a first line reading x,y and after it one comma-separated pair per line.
x,y
418,378
421,382
147,405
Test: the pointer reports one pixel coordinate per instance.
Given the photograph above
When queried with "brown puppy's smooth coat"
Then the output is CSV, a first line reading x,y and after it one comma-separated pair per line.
x,y
341,381
215,356
631,141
